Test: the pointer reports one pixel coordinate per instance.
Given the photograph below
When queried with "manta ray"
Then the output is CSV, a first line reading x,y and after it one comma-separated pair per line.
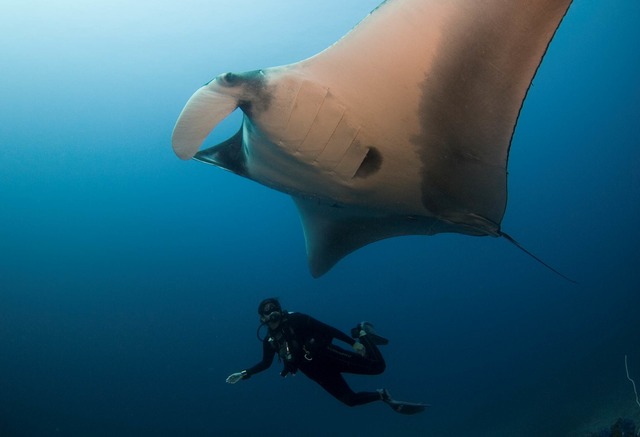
x,y
403,126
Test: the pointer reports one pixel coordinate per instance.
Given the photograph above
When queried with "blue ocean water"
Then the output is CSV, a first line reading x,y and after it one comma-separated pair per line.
x,y
129,279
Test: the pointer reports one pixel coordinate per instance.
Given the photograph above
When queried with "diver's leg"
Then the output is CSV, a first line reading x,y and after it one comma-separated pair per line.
x,y
373,353
366,328
341,360
337,387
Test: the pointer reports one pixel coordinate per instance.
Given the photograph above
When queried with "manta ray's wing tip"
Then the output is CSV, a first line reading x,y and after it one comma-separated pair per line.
x,y
317,270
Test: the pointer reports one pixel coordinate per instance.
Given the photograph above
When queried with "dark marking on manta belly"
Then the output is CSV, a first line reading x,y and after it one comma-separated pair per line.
x,y
370,164
254,84
455,111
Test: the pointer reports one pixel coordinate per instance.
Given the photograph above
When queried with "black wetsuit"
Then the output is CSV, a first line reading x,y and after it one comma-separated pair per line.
x,y
304,343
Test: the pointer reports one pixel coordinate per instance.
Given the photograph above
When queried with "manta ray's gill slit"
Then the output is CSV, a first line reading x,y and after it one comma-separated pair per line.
x,y
326,121
341,149
304,109
370,164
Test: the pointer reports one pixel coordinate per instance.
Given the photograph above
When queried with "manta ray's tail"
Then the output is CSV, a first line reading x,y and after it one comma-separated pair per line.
x,y
519,246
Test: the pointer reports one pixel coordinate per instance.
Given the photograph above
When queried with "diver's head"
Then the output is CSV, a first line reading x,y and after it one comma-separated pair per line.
x,y
270,312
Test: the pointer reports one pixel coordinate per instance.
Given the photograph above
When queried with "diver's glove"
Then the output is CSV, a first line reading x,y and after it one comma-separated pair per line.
x,y
235,377
359,348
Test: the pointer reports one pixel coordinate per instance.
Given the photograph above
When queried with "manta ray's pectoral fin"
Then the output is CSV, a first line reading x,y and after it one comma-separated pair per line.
x,y
333,231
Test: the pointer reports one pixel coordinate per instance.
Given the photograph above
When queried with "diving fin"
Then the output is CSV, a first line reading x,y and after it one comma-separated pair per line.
x,y
407,407
401,407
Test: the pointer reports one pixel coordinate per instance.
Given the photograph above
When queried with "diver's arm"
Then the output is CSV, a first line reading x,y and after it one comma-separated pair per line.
x,y
267,358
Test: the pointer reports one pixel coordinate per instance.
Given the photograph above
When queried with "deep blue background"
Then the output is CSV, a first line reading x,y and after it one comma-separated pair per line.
x,y
129,279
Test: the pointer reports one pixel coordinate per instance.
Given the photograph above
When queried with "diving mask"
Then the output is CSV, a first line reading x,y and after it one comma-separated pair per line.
x,y
273,316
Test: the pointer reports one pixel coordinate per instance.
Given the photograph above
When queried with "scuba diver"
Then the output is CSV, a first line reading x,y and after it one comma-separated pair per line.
x,y
305,344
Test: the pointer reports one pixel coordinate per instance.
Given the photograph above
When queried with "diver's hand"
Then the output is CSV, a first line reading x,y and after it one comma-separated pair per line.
x,y
235,377
359,348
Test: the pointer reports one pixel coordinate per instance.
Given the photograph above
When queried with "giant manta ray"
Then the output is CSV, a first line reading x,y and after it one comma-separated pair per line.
x,y
401,127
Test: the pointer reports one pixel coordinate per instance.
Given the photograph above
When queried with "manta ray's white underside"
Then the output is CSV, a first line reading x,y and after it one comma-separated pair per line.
x,y
401,127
